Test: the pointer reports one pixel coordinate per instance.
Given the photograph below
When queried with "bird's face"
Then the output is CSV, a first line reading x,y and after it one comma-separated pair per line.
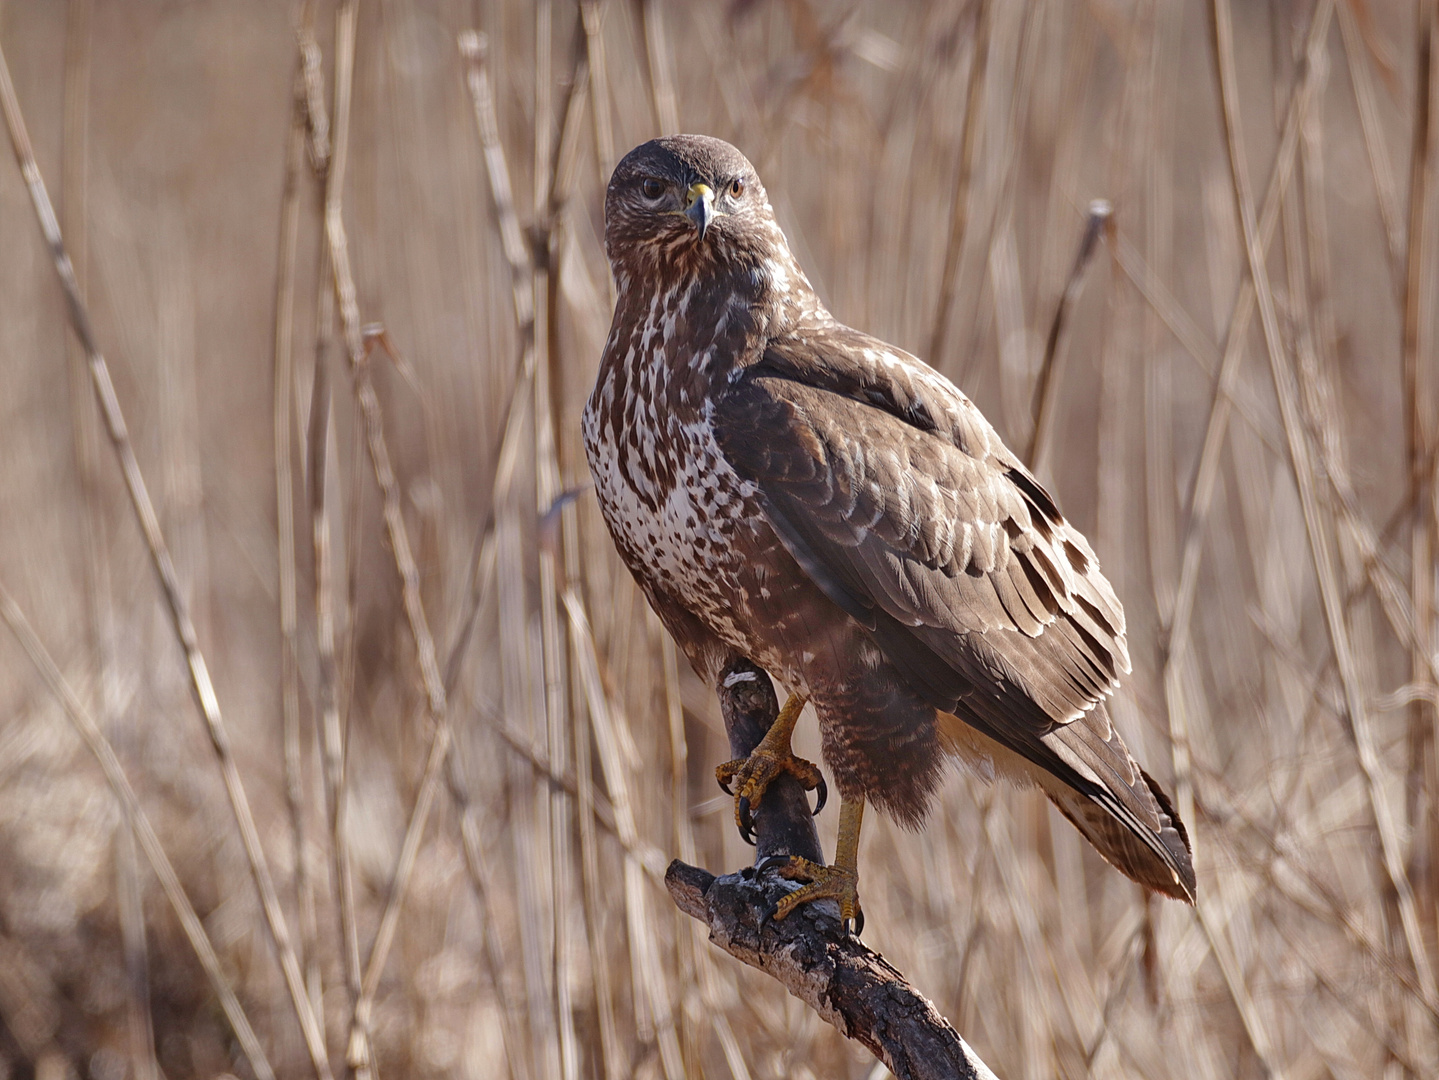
x,y
687,201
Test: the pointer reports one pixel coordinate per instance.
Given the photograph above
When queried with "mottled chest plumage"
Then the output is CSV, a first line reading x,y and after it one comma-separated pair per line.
x,y
678,512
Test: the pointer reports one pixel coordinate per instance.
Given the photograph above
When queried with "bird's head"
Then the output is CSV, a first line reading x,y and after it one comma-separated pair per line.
x,y
689,201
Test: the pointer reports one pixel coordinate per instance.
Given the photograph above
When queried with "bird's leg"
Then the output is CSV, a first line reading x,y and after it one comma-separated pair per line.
x,y
839,882
747,778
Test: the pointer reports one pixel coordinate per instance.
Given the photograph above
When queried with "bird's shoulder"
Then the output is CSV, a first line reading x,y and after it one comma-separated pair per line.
x,y
838,360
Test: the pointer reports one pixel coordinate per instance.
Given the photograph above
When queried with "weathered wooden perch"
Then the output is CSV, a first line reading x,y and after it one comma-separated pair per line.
x,y
848,984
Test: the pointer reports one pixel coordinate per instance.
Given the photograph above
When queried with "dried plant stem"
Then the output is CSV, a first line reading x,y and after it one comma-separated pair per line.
x,y
474,50
1178,322
1047,380
548,485
959,209
164,566
662,82
135,817
644,945
435,696
1315,525
321,421
317,120
1379,164
1418,352
593,14
1216,427
284,417
358,1053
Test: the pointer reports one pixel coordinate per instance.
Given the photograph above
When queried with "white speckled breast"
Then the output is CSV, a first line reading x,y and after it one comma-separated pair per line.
x,y
672,502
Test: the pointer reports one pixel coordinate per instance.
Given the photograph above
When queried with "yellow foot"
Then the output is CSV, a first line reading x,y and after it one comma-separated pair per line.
x,y
747,778
825,883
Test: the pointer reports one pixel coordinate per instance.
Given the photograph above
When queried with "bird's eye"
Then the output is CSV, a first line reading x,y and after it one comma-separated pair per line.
x,y
652,188
736,188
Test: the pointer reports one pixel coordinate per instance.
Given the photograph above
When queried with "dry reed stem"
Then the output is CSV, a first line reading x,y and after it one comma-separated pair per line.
x,y
332,728
139,824
592,12
1176,652
698,955
511,568
1302,468
547,490
181,621
474,49
1185,331
643,944
661,78
1047,381
1217,424
959,209
612,1064
1379,165
284,420
460,790
358,1052
1418,387
433,684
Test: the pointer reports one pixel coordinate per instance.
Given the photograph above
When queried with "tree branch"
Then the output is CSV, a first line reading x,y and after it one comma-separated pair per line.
x,y
848,984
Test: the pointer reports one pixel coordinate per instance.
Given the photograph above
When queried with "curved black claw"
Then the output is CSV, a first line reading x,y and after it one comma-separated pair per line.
x,y
770,862
746,820
858,923
724,786
821,794
767,914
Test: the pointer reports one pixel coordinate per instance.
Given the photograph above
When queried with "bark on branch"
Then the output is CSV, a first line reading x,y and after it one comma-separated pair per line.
x,y
848,984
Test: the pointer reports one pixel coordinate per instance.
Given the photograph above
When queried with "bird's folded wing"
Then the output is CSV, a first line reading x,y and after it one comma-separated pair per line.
x,y
901,503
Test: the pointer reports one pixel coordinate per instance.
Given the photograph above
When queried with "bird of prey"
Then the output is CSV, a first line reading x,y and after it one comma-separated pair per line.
x,y
790,490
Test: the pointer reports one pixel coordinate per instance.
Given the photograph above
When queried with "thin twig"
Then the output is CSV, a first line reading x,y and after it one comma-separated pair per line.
x,y
169,581
321,420
1419,420
662,82
644,944
593,14
959,208
1379,165
1047,381
284,419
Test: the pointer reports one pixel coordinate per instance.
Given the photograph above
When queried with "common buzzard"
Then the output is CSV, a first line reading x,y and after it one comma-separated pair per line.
x,y
791,490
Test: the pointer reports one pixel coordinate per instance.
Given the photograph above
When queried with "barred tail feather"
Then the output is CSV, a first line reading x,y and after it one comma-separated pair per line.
x,y
1136,830
1157,859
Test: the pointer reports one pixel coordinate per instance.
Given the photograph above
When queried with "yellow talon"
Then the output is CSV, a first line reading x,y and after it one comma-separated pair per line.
x,y
839,882
747,778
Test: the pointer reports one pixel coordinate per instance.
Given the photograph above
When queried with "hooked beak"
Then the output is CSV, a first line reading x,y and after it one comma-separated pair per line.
x,y
700,207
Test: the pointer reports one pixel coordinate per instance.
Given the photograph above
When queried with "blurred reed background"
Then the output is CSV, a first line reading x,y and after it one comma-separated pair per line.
x,y
1254,465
